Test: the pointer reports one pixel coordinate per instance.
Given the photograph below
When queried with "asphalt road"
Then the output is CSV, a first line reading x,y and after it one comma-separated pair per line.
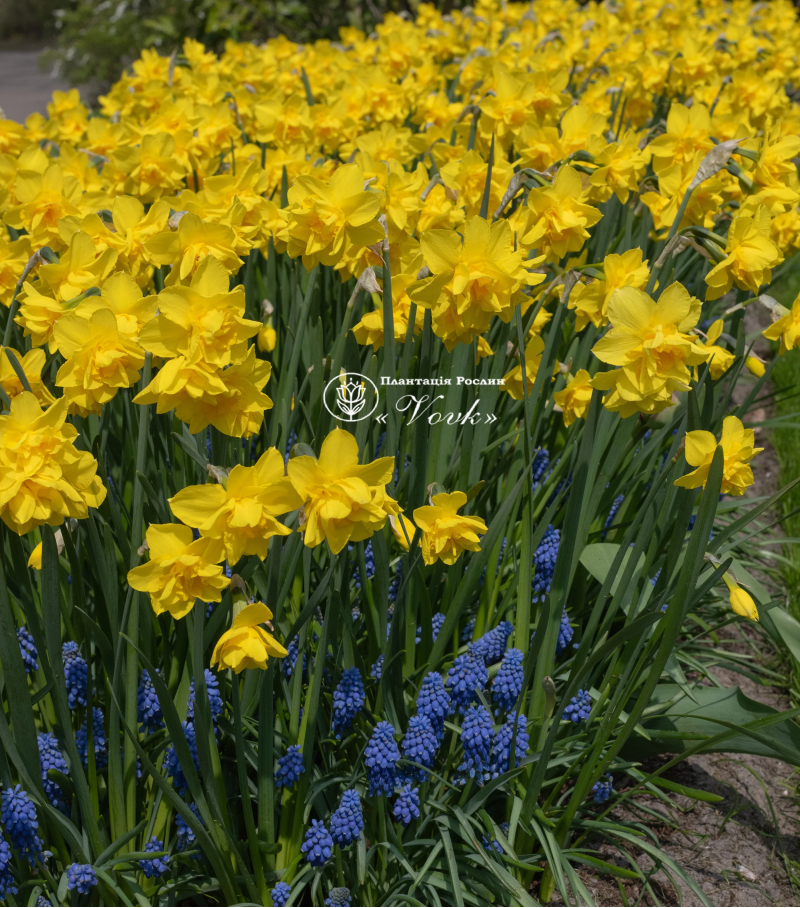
x,y
24,88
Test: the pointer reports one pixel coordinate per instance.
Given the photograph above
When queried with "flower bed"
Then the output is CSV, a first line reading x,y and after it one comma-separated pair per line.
x,y
371,486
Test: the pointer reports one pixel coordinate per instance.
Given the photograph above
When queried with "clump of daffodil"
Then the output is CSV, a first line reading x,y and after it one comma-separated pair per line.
x,y
590,301
559,216
44,478
738,450
370,329
575,397
180,570
750,256
188,247
741,601
650,344
343,501
241,509
786,328
472,279
247,644
445,532
324,215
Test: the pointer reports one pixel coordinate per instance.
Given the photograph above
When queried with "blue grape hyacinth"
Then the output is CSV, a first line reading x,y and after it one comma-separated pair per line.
x,y
155,866
369,561
433,701
173,765
7,882
437,622
541,463
394,586
564,633
81,877
501,746
544,563
186,837
465,678
381,758
466,634
579,707
406,807
476,740
28,650
214,697
148,709
376,671
280,894
75,674
347,820
100,748
420,744
290,765
21,825
491,646
317,845
50,757
601,791
507,683
611,515
288,663
348,700
338,897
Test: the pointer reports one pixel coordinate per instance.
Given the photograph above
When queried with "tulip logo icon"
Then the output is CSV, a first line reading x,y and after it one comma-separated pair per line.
x,y
351,397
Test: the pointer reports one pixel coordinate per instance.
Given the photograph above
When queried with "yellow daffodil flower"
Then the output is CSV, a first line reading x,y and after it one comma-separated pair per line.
x,y
44,478
32,364
445,532
575,397
242,512
786,328
180,570
751,255
741,601
590,301
737,448
343,500
246,644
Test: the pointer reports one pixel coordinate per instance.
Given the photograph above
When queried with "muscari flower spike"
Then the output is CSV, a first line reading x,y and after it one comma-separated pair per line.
x,y
7,882
81,877
75,674
420,744
601,791
148,709
186,837
465,678
82,741
579,707
28,650
369,561
347,821
433,701
317,845
381,758
290,765
21,825
377,669
406,807
394,586
466,634
611,515
156,866
280,894
338,897
288,663
541,463
436,623
507,683
173,765
348,700
501,746
544,563
476,740
491,646
565,633
214,697
50,757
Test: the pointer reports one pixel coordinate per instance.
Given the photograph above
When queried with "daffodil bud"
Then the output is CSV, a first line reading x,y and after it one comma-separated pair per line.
x,y
741,601
267,337
755,366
